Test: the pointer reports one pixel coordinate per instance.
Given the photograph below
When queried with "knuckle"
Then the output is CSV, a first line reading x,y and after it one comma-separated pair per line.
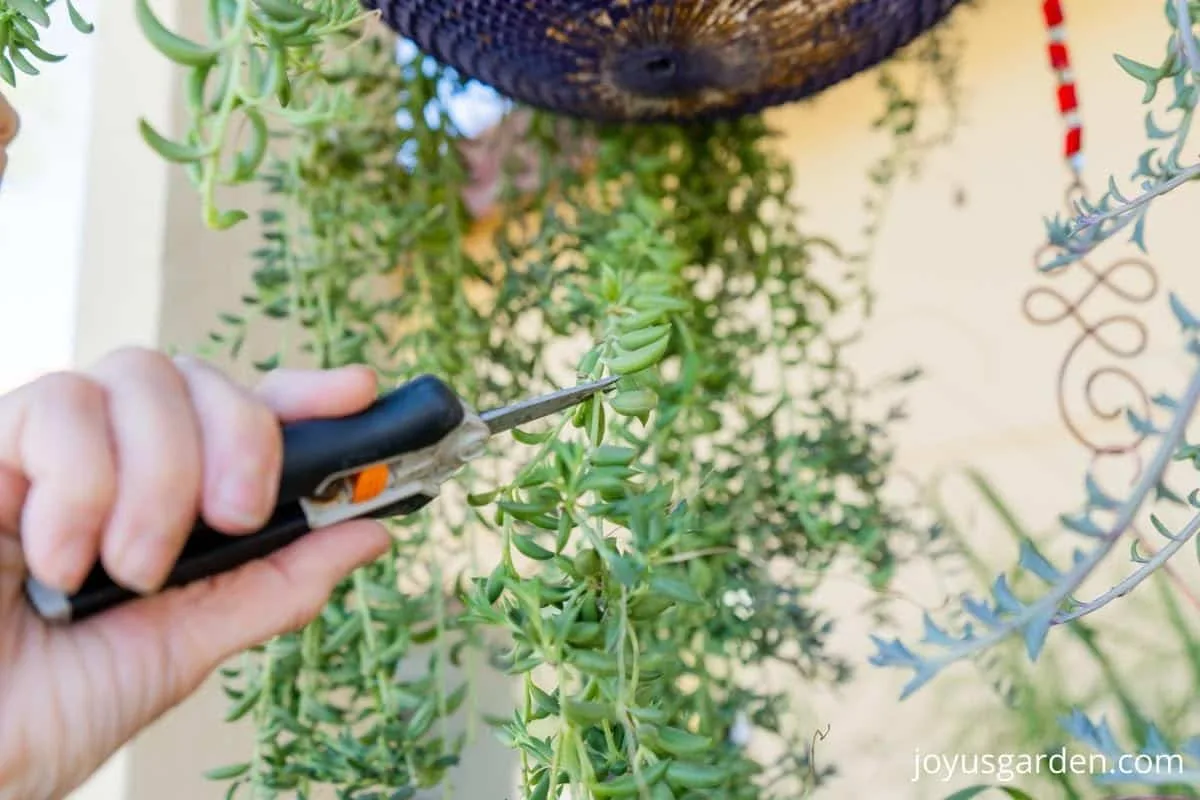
x,y
159,501
194,361
72,390
91,495
258,435
139,359
84,477
266,423
175,480
140,363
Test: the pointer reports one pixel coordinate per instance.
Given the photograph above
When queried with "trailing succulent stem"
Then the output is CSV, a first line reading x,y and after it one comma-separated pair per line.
x,y
648,568
22,23
634,571
644,573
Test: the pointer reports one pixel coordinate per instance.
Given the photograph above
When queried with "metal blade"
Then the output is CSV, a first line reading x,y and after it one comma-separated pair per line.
x,y
503,419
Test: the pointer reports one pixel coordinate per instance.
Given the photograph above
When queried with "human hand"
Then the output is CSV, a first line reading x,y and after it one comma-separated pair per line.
x,y
115,464
10,123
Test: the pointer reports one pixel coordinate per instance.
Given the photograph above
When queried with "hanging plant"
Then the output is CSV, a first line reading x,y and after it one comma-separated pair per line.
x,y
648,563
636,557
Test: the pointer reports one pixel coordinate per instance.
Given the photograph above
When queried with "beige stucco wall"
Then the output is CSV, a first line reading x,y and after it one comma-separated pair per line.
x,y
950,282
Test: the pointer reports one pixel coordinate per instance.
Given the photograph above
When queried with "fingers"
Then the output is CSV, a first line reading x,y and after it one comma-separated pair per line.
x,y
13,488
10,124
157,444
171,642
179,637
116,464
225,453
12,559
55,433
243,441
243,450
309,394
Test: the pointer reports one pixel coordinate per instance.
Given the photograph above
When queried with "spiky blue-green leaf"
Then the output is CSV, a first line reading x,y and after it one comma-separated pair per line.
x,y
1081,524
1140,425
1033,561
1097,497
981,611
935,635
1005,600
1035,633
1183,315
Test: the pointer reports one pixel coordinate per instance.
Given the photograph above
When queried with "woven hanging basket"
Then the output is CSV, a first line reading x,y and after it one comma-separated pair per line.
x,y
647,60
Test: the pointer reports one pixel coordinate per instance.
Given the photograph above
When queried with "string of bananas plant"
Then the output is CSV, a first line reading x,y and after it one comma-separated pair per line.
x,y
645,574
21,48
634,572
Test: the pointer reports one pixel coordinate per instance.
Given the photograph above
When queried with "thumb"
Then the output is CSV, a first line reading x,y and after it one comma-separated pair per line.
x,y
187,632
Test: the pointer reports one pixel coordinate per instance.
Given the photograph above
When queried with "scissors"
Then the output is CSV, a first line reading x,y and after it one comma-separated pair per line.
x,y
389,460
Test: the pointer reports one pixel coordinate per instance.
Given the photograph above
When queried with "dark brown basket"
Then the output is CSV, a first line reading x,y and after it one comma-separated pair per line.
x,y
660,59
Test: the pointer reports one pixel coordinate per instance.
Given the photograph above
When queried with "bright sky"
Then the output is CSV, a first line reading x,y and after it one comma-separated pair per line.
x,y
473,111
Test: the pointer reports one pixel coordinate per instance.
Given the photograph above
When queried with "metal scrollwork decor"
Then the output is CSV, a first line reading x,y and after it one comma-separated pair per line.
x,y
1131,280
1122,336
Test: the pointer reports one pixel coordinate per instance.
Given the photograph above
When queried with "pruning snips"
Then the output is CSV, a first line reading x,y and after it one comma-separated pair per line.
x,y
389,460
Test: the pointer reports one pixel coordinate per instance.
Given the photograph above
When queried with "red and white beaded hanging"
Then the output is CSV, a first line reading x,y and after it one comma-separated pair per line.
x,y
1068,97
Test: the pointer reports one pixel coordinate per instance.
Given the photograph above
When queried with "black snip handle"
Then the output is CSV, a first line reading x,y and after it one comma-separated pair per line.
x,y
414,416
